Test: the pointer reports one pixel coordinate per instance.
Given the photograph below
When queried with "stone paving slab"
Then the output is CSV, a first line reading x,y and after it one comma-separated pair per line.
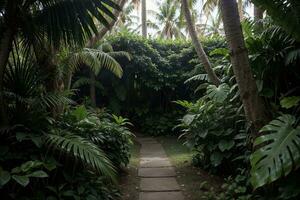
x,y
149,154
157,172
146,140
154,162
161,196
152,146
159,185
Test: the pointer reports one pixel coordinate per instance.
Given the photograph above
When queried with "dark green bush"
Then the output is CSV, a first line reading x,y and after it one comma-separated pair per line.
x,y
152,80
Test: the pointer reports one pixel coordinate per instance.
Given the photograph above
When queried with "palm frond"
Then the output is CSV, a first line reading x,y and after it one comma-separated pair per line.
x,y
198,77
83,81
82,149
51,100
292,56
72,20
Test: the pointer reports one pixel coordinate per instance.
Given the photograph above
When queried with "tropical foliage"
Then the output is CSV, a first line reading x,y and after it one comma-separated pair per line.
x,y
76,80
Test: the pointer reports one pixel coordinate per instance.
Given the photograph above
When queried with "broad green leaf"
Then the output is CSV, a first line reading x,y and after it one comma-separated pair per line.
x,y
219,51
38,174
216,158
188,119
80,113
225,145
289,102
218,94
20,136
22,180
4,177
278,151
29,165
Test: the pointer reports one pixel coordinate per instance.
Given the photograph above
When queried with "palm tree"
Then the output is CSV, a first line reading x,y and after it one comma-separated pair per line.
x,y
210,5
253,105
144,18
212,27
96,59
70,21
169,20
119,16
198,47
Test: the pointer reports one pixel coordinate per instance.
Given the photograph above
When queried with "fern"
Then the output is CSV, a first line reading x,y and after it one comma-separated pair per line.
x,y
278,153
84,150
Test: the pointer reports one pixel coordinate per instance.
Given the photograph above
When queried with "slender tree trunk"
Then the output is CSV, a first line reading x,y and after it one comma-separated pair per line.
x,y
104,30
198,47
258,16
5,49
241,9
144,18
47,65
93,88
254,107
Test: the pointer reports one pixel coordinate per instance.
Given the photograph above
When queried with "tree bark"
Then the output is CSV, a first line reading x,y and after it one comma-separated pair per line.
x,y
258,16
198,47
144,18
5,49
254,107
241,9
98,36
93,88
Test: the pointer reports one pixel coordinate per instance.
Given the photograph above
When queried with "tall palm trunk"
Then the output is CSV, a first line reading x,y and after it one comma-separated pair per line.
x,y
5,48
144,18
198,47
93,88
253,104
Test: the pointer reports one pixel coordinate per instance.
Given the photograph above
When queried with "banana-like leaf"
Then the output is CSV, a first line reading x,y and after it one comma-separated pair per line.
x,y
278,151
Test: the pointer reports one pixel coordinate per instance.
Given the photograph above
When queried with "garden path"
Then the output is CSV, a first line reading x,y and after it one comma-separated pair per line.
x,y
157,175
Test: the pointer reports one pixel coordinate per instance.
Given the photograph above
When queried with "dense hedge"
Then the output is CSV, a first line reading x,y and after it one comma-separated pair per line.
x,y
152,80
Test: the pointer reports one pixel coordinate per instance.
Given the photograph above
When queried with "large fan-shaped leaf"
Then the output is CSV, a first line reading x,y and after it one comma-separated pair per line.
x,y
83,150
96,60
219,94
280,153
72,20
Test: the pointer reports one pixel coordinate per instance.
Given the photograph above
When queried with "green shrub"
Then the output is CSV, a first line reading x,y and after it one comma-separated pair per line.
x,y
212,127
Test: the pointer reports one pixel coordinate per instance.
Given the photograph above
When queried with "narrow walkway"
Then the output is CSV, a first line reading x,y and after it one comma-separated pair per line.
x,y
158,177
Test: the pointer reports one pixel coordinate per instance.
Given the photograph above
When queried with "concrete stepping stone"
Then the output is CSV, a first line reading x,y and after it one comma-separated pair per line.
x,y
157,172
146,140
159,185
154,162
156,153
161,196
157,176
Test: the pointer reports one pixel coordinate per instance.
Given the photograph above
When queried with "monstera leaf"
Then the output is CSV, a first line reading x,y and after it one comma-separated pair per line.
x,y
278,153
219,94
